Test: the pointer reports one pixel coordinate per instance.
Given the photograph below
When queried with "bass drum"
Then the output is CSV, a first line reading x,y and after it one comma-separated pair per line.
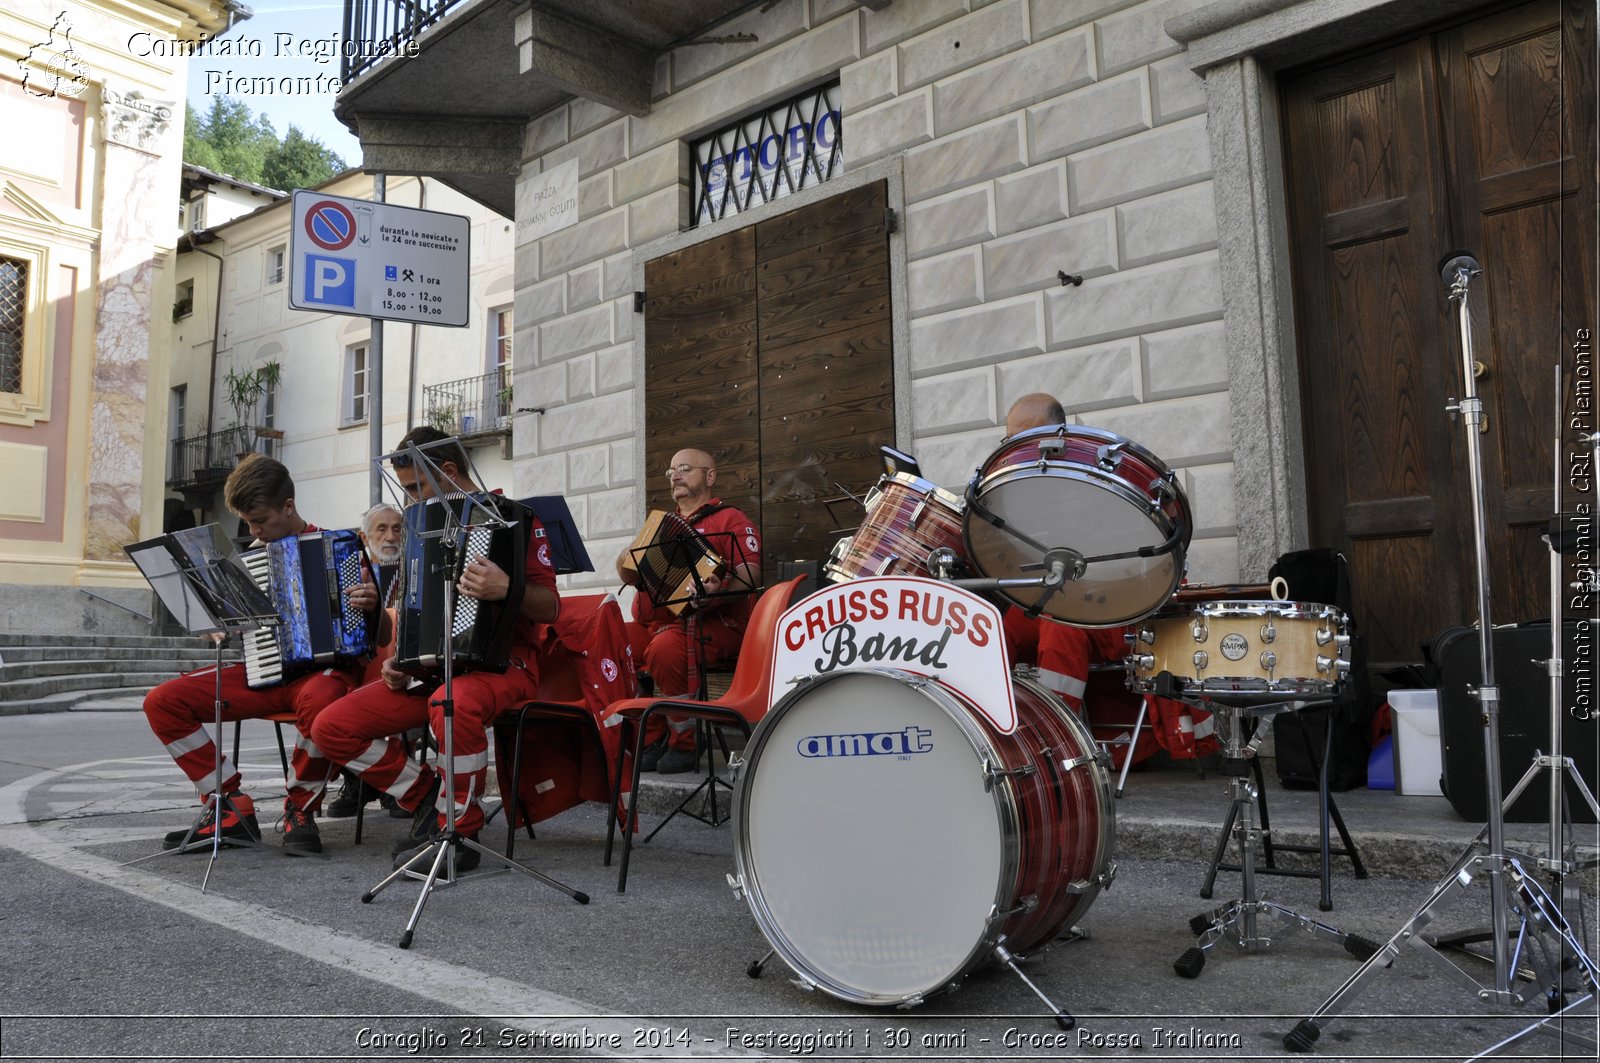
x,y
887,835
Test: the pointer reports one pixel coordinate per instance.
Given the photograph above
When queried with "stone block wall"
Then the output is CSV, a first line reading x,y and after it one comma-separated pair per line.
x,y
1034,136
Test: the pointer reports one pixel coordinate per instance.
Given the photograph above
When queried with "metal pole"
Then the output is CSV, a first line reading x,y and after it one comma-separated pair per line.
x,y
1457,271
375,384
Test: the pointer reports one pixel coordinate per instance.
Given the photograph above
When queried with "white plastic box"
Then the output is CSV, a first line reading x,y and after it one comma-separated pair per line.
x,y
1418,760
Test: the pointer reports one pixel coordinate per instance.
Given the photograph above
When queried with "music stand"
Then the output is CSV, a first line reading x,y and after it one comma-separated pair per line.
x,y
439,855
567,553
199,577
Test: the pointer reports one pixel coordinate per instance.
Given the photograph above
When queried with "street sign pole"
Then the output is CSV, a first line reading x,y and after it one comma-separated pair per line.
x,y
375,382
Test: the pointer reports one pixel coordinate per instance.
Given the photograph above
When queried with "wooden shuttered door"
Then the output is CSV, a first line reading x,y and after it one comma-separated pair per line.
x,y
771,348
1480,137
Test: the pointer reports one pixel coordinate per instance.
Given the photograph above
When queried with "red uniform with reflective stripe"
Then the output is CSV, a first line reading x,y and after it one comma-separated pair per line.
x,y
358,731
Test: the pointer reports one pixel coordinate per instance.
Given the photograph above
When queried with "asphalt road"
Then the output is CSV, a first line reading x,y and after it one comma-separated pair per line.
x,y
279,959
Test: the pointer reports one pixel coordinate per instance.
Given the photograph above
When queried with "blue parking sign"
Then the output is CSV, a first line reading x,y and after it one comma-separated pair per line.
x,y
390,273
330,281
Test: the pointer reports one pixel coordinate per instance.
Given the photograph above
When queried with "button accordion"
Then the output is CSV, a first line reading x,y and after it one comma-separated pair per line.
x,y
306,576
671,559
439,546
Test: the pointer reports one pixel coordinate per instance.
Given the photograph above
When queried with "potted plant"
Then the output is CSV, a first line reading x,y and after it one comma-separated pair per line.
x,y
244,391
443,418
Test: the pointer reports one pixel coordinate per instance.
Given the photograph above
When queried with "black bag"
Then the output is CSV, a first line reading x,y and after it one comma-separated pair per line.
x,y
1524,723
1322,576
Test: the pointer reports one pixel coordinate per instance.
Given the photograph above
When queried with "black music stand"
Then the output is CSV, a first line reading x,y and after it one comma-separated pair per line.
x,y
439,856
668,576
199,577
567,553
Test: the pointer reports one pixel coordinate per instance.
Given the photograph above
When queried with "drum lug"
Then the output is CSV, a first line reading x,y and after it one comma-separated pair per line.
x,y
1109,456
1198,629
1201,659
804,983
883,566
1107,876
1337,665
1024,904
1269,662
913,1001
991,773
1269,631
736,884
916,514
1072,764
736,763
1142,662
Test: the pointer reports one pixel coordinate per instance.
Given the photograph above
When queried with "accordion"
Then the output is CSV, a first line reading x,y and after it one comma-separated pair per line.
x,y
438,547
670,558
305,576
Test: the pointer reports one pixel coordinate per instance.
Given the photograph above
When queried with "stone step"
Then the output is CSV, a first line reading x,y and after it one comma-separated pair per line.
x,y
103,699
19,670
18,639
195,653
29,691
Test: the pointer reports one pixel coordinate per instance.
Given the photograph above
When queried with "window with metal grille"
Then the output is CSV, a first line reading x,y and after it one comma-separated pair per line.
x,y
765,156
13,314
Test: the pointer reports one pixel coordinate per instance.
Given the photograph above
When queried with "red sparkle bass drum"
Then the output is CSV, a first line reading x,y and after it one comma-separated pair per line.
x,y
888,837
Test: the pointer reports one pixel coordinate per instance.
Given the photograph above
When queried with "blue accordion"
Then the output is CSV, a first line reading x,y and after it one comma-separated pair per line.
x,y
306,577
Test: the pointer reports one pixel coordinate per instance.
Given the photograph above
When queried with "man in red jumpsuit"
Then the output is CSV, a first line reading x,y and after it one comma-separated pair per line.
x,y
712,628
261,492
358,731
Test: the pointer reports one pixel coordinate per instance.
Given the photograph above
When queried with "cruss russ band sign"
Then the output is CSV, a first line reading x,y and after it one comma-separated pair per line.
x,y
915,625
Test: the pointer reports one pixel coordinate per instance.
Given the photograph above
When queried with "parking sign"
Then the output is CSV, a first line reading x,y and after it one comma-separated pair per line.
x,y
353,256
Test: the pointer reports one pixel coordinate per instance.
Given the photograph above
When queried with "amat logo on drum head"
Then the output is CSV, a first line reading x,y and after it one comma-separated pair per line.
x,y
868,744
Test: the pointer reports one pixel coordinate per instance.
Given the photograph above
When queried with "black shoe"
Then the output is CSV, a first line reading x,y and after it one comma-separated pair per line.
x,y
300,834
237,822
424,821
466,859
678,761
391,806
347,803
651,757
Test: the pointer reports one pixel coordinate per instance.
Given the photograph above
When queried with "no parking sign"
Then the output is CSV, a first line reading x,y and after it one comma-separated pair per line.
x,y
353,256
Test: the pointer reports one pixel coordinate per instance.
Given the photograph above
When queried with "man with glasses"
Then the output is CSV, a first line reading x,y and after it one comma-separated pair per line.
x,y
357,730
712,628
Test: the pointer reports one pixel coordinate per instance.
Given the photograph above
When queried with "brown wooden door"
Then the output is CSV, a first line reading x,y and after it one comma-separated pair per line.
x,y
772,348
1465,138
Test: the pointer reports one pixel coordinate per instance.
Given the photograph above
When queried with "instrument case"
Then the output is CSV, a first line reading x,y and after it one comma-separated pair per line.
x,y
1524,726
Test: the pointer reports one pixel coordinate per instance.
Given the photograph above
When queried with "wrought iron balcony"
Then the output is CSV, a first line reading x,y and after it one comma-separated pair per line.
x,y
204,462
382,28
473,406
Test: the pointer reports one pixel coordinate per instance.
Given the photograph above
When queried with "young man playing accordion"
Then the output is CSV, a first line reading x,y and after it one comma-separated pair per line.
x,y
261,492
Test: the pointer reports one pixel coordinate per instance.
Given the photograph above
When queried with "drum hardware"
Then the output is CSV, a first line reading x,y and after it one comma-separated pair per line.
x,y
1237,920
1074,763
439,856
992,774
1063,1017
942,563
1564,975
909,525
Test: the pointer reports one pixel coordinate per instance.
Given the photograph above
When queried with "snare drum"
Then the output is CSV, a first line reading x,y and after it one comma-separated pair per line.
x,y
887,836
907,519
1090,492
1244,651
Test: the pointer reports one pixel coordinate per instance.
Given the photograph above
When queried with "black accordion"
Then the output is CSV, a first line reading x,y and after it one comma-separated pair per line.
x,y
444,535
306,576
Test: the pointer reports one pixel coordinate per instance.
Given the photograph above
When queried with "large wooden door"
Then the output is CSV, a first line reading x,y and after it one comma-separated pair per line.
x,y
1472,137
771,347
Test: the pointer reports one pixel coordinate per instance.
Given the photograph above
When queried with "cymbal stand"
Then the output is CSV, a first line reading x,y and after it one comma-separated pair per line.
x,y
439,856
1544,939
1237,920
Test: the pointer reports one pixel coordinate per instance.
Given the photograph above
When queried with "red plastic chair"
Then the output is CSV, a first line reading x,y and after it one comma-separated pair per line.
x,y
743,706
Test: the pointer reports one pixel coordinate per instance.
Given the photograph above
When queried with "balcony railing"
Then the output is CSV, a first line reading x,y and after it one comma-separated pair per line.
x,y
472,406
202,461
376,29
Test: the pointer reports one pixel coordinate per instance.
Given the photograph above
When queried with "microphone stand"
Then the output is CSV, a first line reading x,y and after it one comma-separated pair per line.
x,y
1544,938
439,855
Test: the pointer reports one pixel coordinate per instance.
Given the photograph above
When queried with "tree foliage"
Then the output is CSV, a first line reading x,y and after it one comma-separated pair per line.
x,y
230,140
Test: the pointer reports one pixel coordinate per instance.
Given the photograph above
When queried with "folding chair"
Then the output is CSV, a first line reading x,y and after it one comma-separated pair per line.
x,y
742,706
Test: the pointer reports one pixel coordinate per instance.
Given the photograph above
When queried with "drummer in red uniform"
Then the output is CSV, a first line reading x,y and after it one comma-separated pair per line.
x,y
711,630
1062,652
